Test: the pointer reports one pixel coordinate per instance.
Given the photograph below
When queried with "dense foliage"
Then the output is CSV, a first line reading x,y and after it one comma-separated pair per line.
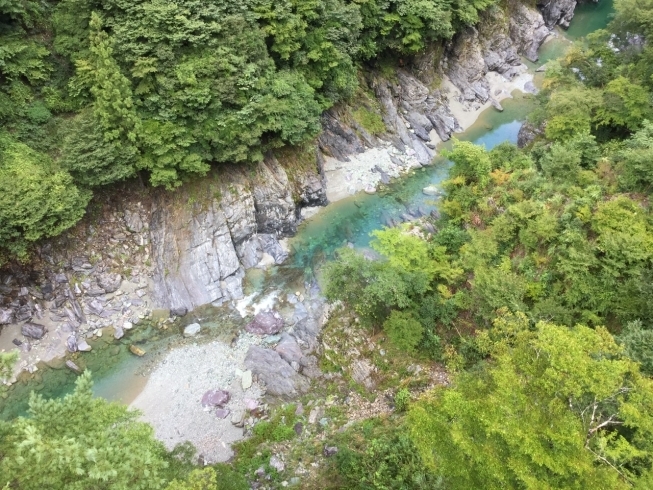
x,y
80,442
94,91
534,290
554,408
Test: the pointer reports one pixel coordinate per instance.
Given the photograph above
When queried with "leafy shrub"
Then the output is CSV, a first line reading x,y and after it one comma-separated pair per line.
x,y
402,398
370,121
385,459
403,330
638,345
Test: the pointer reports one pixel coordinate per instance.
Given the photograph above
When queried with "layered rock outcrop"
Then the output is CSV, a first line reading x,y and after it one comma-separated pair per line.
x,y
205,238
557,12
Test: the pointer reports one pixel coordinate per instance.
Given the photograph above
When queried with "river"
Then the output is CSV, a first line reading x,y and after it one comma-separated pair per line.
x,y
119,375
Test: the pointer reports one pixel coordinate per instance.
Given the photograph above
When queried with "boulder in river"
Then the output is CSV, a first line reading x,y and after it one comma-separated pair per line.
x,y
215,398
83,346
431,190
265,323
180,311
137,351
118,332
33,330
73,367
192,330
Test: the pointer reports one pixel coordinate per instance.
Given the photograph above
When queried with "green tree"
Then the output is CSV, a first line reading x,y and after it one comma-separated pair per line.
x,y
403,330
625,104
553,408
80,442
638,345
571,112
37,199
470,161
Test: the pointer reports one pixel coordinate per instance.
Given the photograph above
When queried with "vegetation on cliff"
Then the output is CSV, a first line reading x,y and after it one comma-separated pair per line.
x,y
94,91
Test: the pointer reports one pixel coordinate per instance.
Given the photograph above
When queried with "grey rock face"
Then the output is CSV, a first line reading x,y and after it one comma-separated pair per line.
x,y
275,208
336,139
527,134
528,31
250,252
265,323
133,221
202,242
557,12
33,330
279,378
193,253
270,245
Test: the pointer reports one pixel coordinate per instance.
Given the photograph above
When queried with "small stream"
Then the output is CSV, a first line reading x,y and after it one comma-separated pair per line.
x,y
119,375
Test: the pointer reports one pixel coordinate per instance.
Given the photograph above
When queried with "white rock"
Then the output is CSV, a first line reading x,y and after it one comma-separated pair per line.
x,y
98,332
431,190
246,380
83,346
128,325
277,464
192,330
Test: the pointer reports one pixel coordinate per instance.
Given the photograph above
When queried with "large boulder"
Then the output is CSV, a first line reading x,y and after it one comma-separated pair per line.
x,y
110,282
270,245
192,330
557,12
6,316
134,221
528,31
289,349
33,330
265,323
279,377
215,398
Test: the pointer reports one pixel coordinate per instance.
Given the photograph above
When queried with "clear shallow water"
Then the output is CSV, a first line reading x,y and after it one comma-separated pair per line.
x,y
119,375
353,219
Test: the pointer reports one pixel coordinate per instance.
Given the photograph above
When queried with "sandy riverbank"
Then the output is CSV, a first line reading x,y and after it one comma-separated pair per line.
x,y
171,399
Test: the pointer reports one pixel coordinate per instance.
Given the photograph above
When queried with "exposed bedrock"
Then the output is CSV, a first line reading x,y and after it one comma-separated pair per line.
x,y
557,12
204,238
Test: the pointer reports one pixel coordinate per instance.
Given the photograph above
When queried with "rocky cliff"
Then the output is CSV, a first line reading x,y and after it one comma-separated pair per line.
x,y
183,249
